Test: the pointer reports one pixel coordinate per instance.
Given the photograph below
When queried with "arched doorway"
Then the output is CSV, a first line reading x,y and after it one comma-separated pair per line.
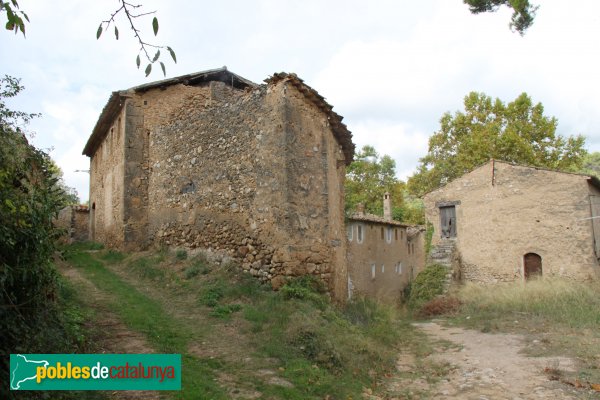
x,y
532,265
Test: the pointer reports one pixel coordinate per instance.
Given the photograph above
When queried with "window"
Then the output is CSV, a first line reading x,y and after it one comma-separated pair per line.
x,y
372,271
359,233
389,235
408,247
349,230
401,234
382,268
399,268
396,231
382,233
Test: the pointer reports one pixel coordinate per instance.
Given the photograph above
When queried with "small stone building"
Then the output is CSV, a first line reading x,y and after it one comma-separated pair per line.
x,y
74,220
215,161
510,222
383,255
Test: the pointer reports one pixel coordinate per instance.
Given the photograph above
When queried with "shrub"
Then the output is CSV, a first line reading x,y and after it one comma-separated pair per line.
x,y
440,306
181,254
211,296
427,285
305,288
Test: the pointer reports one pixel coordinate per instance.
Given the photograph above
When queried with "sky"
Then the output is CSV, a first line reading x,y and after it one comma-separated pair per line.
x,y
391,68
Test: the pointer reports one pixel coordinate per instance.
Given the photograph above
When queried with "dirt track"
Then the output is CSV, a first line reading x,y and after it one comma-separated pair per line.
x,y
482,366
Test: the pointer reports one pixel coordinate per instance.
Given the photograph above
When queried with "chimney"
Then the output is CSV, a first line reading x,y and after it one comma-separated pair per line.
x,y
387,207
360,209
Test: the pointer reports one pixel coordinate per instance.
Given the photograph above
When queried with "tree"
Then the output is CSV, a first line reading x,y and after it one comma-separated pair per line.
x,y
591,164
368,178
30,198
15,21
516,132
523,11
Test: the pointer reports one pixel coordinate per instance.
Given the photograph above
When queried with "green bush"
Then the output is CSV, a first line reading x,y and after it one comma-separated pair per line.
x,y
305,288
428,284
212,295
223,311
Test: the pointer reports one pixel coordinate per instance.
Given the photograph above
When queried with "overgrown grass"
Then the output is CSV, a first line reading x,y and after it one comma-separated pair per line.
x,y
145,315
557,317
570,304
322,350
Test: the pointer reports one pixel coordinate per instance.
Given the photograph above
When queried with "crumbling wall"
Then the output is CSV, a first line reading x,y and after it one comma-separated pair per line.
x,y
252,173
106,187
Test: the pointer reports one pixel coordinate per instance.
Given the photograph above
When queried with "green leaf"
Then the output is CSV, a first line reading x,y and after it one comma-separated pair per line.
x,y
99,32
155,25
162,66
25,15
10,25
172,54
156,56
116,33
148,69
138,61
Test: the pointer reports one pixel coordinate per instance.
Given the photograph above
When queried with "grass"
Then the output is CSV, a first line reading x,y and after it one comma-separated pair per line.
x,y
147,316
321,350
557,317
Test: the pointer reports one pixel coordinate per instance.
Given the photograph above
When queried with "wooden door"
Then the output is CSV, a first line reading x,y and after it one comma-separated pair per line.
x,y
532,265
448,221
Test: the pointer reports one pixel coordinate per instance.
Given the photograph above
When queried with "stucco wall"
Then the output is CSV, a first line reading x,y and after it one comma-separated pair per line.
x,y
506,211
380,267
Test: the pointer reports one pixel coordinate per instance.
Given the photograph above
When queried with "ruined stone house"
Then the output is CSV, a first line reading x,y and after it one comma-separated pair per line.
x,y
383,255
74,221
213,160
507,222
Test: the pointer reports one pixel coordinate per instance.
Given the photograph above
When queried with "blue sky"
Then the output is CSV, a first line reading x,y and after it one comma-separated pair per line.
x,y
390,67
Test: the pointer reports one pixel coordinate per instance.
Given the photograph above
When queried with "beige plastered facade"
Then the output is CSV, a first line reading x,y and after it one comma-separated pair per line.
x,y
505,211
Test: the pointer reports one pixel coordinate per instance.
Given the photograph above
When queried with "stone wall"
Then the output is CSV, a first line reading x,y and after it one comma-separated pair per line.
x,y
256,174
106,186
74,220
505,211
383,258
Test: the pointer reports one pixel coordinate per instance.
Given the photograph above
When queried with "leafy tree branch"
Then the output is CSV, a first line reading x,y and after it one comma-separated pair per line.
x,y
146,48
523,11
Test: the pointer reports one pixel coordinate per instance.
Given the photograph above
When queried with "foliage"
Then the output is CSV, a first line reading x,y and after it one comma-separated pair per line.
x,y
428,284
132,12
14,16
368,177
591,164
31,319
523,11
516,132
181,254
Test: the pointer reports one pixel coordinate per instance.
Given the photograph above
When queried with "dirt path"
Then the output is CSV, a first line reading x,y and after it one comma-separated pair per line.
x,y
112,336
482,366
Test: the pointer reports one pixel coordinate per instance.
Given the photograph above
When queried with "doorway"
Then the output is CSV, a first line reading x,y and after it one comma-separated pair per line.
x,y
532,266
448,221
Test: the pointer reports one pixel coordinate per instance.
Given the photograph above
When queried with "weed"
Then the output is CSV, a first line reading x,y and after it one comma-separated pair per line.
x,y
443,305
427,285
225,310
181,255
305,288
196,268
112,256
212,295
149,267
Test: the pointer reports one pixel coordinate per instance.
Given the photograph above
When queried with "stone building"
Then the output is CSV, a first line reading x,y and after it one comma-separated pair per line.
x,y
74,220
383,255
215,161
508,222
